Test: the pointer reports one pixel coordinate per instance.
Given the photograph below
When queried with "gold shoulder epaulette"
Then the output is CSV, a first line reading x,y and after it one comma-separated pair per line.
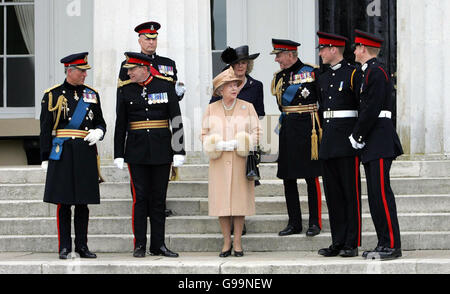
x,y
91,88
312,65
121,83
165,78
54,87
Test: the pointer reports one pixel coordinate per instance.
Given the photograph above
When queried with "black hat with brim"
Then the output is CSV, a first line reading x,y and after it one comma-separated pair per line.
x,y
149,29
77,60
136,59
281,45
232,56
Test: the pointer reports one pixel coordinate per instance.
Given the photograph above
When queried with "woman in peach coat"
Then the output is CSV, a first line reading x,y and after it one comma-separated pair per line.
x,y
230,129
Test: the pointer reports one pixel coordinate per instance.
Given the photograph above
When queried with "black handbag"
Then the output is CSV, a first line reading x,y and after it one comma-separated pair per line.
x,y
252,170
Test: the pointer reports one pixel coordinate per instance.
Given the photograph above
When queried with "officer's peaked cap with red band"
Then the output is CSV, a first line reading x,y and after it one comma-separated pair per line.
x,y
280,45
331,40
77,60
367,39
149,29
136,59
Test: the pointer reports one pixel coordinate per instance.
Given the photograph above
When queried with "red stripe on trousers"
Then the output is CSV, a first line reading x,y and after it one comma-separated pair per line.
x,y
386,209
319,202
57,225
134,203
358,198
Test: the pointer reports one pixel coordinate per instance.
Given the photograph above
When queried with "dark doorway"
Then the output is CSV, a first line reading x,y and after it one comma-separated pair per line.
x,y
375,16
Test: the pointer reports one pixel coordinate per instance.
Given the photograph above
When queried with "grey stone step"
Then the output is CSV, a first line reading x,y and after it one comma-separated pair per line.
x,y
199,172
400,186
199,206
267,242
208,225
294,262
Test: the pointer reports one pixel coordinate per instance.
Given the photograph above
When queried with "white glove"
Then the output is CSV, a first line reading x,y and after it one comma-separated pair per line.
x,y
44,165
180,88
119,162
355,144
178,160
230,145
94,136
220,146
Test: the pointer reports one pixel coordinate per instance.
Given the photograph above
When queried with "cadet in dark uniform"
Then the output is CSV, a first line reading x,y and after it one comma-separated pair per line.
x,y
375,134
342,182
148,40
299,135
71,124
145,110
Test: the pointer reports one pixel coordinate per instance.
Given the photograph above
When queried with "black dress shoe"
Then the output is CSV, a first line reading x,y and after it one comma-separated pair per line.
x,y
289,230
139,251
238,253
168,212
226,253
330,251
312,231
384,253
64,253
163,251
365,253
348,252
85,253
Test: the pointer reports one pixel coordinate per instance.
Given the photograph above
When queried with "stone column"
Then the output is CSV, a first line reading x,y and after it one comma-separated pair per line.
x,y
184,36
423,79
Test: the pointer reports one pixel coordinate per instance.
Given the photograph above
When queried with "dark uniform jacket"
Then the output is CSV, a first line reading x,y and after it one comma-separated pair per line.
x,y
148,146
74,178
379,134
338,91
294,160
253,93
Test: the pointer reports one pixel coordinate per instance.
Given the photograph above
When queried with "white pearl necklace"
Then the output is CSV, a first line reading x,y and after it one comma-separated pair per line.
x,y
231,107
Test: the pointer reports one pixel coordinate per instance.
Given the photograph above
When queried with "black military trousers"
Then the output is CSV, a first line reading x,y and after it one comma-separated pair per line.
x,y
382,203
293,202
149,189
342,185
64,221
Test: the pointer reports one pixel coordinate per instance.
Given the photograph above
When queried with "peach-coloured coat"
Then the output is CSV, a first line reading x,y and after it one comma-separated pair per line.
x,y
229,191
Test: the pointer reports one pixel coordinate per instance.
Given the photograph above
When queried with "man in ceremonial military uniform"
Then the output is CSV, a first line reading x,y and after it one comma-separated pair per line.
x,y
342,182
146,108
299,134
71,125
375,135
148,40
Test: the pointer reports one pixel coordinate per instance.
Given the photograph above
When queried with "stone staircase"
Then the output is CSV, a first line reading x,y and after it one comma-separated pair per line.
x,y
422,189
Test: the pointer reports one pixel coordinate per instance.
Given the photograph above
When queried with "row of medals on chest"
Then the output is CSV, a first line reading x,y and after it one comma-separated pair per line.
x,y
307,77
154,98
66,109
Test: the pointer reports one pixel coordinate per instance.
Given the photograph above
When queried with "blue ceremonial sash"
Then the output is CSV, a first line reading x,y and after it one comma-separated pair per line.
x,y
289,95
74,124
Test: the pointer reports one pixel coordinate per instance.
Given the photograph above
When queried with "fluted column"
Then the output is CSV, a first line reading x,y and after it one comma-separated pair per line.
x,y
423,79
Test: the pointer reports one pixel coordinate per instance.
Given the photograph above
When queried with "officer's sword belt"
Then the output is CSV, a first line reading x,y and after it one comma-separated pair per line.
x,y
313,110
74,134
150,124
300,108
